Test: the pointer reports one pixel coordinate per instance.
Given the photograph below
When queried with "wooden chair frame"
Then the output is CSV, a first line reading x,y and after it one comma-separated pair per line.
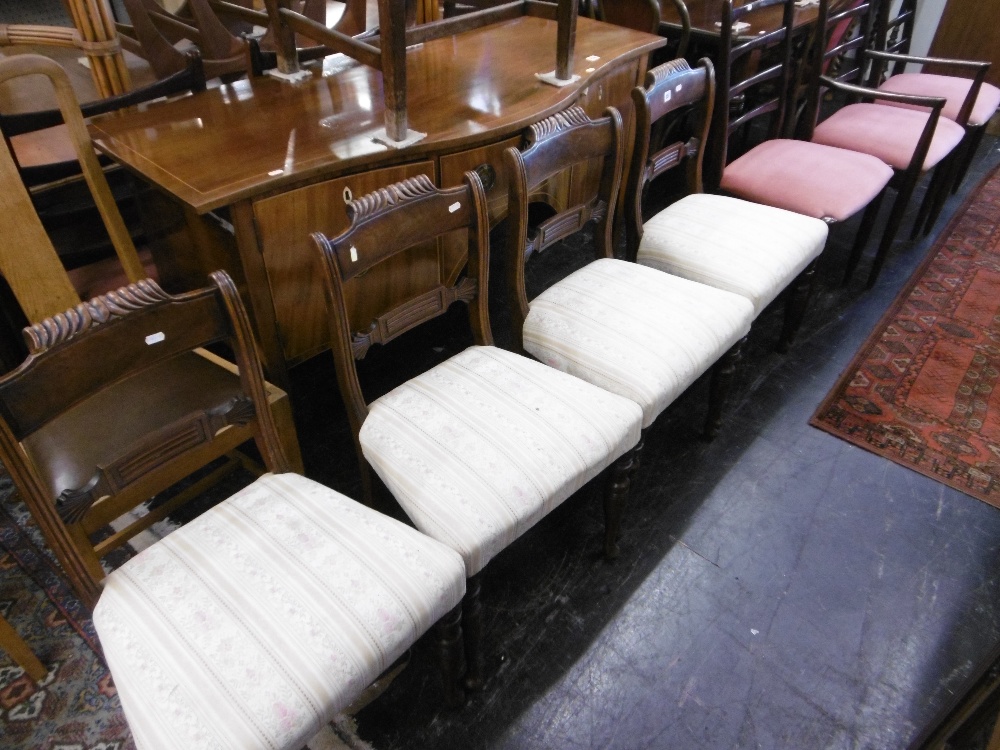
x,y
98,344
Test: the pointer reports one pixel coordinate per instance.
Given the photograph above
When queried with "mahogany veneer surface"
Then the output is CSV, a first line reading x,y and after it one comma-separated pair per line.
x,y
260,136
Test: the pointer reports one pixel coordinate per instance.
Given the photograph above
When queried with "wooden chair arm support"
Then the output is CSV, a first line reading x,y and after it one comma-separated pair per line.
x,y
935,103
894,56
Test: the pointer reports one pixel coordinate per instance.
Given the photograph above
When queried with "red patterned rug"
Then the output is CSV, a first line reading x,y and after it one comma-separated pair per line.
x,y
923,391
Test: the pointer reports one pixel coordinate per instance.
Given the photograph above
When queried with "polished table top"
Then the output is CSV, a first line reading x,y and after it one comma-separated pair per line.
x,y
262,136
706,14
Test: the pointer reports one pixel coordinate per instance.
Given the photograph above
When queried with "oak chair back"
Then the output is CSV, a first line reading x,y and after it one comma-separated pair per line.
x,y
566,140
28,260
117,401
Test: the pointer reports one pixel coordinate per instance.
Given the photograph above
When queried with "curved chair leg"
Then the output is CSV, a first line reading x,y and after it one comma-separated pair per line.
x,y
861,239
795,306
472,631
721,385
450,658
616,493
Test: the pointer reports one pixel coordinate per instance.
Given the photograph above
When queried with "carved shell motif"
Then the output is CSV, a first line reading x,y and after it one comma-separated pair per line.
x,y
97,311
659,73
569,118
397,194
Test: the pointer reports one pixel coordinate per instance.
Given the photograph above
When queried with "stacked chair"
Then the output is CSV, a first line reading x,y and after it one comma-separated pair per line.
x,y
910,139
751,249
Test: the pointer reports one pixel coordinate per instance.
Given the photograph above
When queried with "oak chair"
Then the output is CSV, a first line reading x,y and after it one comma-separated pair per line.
x,y
754,95
911,141
629,329
969,100
751,249
479,448
60,197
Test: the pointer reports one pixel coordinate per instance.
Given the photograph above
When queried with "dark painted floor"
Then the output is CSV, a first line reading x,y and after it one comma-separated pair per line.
x,y
778,588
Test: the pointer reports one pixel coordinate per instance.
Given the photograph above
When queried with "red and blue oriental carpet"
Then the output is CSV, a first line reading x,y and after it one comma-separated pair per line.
x,y
923,390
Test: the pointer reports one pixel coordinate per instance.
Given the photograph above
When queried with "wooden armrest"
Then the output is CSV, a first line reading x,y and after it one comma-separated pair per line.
x,y
973,64
935,103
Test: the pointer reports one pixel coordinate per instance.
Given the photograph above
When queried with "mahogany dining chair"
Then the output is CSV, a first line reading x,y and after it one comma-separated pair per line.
x,y
630,329
751,249
253,625
753,92
910,140
110,452
481,447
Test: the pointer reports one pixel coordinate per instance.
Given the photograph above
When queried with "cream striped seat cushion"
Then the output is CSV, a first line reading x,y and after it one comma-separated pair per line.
x,y
481,447
634,331
253,625
747,248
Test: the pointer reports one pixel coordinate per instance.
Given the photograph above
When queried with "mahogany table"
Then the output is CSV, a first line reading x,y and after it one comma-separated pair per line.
x,y
243,173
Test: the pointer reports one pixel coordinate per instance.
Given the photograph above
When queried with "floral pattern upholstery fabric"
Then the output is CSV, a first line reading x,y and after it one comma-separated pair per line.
x,y
256,623
481,447
747,248
634,331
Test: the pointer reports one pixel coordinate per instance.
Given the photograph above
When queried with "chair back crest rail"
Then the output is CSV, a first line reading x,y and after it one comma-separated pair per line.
x,y
85,332
668,88
551,146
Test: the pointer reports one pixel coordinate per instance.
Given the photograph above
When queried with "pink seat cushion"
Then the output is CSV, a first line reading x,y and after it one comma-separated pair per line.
x,y
890,133
952,88
807,178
